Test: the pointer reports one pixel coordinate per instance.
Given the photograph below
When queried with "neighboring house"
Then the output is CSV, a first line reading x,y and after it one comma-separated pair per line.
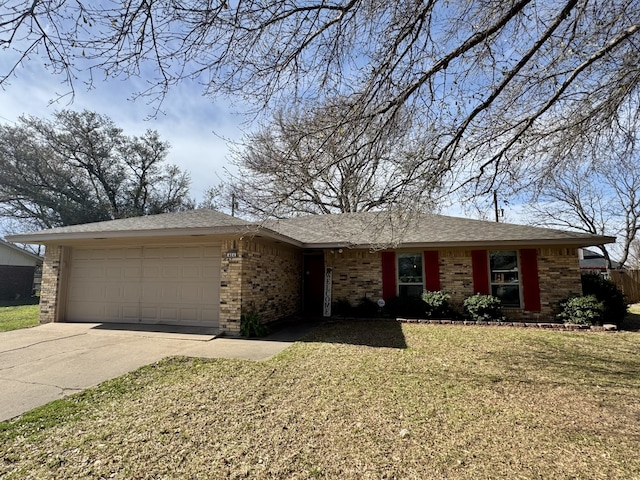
x,y
594,262
203,267
20,272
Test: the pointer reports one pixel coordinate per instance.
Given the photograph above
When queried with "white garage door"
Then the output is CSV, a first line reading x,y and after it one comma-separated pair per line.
x,y
174,285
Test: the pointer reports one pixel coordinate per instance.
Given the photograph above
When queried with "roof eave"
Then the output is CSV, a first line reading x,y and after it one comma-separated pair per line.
x,y
22,251
42,238
240,231
572,242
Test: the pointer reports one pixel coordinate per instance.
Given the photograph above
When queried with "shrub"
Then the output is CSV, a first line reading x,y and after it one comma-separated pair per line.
x,y
615,305
366,308
342,307
483,307
251,325
584,310
437,304
410,307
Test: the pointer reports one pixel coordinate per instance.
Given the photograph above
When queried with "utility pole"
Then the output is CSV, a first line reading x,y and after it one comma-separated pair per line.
x,y
495,204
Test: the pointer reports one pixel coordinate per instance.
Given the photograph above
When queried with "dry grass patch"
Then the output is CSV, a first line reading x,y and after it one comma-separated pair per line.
x,y
435,402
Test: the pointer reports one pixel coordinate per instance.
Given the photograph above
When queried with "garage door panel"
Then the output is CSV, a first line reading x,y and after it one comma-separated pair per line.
x,y
92,309
86,292
171,252
210,273
118,254
132,272
149,312
189,272
190,294
170,293
189,314
90,272
169,314
113,292
170,271
175,285
113,272
130,312
150,272
192,252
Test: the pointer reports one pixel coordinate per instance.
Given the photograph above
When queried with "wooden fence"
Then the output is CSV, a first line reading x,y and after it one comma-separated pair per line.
x,y
629,282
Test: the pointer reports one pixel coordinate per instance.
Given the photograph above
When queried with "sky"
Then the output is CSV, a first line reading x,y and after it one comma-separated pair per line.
x,y
198,128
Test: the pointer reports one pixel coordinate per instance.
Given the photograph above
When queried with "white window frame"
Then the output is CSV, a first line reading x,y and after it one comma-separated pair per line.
x,y
400,283
518,270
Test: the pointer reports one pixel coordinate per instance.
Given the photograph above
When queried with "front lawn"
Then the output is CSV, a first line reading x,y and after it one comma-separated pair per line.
x,y
632,320
20,316
356,401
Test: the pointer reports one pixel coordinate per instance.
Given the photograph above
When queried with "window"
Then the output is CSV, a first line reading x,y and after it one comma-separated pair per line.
x,y
410,277
505,277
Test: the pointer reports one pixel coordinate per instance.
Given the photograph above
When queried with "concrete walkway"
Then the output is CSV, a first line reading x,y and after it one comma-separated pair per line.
x,y
47,362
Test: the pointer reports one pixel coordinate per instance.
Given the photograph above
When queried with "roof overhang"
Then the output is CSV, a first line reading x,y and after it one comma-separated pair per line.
x,y
568,242
249,231
66,237
21,251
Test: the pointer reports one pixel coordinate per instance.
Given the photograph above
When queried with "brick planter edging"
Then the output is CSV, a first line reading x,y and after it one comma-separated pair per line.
x,y
551,326
541,325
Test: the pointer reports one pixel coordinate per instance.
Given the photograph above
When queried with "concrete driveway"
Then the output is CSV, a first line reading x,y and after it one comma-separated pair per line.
x,y
47,362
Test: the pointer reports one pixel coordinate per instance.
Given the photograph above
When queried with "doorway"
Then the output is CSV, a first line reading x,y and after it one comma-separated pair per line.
x,y
313,283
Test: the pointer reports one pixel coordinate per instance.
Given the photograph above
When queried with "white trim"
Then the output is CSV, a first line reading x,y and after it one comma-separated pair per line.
x,y
397,265
519,271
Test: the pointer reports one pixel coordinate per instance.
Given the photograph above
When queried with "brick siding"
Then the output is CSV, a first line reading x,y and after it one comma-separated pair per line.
x,y
358,273
559,273
265,277
51,275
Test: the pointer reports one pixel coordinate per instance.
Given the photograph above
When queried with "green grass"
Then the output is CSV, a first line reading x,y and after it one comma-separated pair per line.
x,y
356,401
15,317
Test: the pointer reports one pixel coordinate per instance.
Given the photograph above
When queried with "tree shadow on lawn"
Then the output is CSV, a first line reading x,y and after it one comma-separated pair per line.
x,y
631,322
371,333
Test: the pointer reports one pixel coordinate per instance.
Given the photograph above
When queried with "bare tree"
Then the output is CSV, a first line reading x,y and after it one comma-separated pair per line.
x,y
598,190
488,83
308,162
634,255
79,167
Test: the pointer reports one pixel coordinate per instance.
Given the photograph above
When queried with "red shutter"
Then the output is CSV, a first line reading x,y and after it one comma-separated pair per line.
x,y
389,275
480,265
431,271
530,279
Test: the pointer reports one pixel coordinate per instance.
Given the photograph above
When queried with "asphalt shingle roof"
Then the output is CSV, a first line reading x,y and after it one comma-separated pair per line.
x,y
190,219
382,228
365,229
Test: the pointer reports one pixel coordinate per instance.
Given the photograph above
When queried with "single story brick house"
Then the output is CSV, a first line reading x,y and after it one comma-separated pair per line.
x,y
205,268
19,272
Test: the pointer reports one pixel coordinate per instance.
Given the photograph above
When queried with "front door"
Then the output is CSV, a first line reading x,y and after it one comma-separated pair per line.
x,y
313,283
